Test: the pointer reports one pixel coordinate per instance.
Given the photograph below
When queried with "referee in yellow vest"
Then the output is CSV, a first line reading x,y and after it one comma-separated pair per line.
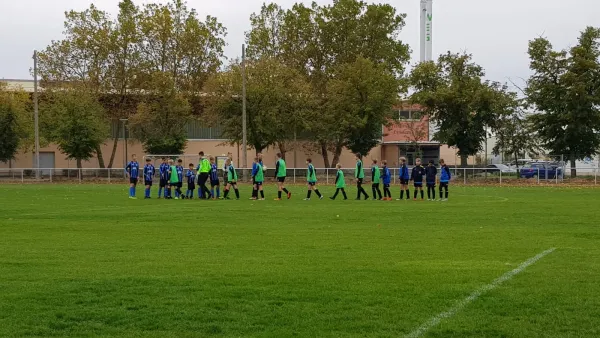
x,y
203,173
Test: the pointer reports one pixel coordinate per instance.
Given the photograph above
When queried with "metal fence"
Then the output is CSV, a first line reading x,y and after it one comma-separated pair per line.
x,y
524,176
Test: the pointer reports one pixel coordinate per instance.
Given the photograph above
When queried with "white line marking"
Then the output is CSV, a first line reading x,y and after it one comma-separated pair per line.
x,y
476,294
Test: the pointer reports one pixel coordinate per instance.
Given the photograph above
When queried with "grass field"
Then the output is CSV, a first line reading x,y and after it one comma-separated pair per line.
x,y
83,260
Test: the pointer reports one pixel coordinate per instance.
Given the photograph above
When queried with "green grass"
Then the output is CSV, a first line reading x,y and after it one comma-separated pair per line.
x,y
83,260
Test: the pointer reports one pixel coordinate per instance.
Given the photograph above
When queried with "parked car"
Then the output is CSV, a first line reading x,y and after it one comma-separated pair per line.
x,y
545,170
496,168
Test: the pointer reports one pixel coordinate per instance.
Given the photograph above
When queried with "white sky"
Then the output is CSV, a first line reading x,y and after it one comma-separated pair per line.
x,y
496,32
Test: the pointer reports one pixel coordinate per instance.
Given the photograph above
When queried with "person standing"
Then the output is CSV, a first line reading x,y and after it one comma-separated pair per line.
x,y
133,169
280,174
203,174
359,175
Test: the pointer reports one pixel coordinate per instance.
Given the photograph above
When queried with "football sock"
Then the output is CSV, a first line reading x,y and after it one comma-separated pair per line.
x,y
433,192
237,193
226,193
279,194
407,194
212,192
422,194
262,194
160,192
285,191
308,193
218,192
318,193
415,194
401,194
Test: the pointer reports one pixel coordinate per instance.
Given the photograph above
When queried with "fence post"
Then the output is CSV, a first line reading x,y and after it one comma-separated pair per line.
x,y
538,175
108,175
294,175
327,175
596,176
465,175
80,173
500,176
51,170
22,178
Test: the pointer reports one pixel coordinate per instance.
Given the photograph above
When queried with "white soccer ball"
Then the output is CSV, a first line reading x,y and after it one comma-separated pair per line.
x,y
264,168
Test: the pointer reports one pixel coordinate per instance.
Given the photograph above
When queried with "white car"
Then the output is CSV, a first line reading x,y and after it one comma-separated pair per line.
x,y
494,168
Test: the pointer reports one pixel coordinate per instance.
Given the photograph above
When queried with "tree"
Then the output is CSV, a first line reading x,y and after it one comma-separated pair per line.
x,y
318,40
515,135
160,120
16,123
75,121
565,89
463,105
360,98
278,101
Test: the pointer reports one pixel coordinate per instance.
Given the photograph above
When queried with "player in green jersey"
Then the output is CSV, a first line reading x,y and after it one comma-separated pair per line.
x,y
375,180
340,183
231,180
280,174
311,179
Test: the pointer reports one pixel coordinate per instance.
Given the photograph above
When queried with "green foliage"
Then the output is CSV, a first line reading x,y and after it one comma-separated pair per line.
x,y
516,135
75,121
160,120
278,100
318,41
463,105
565,88
16,122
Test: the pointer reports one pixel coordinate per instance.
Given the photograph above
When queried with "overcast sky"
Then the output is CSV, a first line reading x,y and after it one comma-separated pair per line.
x,y
496,32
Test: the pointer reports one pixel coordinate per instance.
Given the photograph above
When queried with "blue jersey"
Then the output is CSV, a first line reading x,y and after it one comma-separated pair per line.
x,y
445,175
148,172
386,176
191,177
404,172
164,171
133,168
179,169
214,172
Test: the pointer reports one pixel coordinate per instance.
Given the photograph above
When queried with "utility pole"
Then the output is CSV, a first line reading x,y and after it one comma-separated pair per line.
x,y
36,117
244,131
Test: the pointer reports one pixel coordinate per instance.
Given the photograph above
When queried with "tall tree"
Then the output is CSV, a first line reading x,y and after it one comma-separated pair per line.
x,y
278,102
318,40
360,99
75,121
565,88
16,125
459,101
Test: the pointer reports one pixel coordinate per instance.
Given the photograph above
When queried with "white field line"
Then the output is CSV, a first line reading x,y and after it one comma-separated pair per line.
x,y
434,321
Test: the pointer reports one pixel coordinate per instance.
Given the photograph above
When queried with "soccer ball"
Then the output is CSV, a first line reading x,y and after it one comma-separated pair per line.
x,y
264,168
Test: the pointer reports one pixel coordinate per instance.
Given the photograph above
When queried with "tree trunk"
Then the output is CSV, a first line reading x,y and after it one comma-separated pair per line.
x,y
464,161
336,154
100,157
517,164
78,163
114,149
573,165
325,155
282,149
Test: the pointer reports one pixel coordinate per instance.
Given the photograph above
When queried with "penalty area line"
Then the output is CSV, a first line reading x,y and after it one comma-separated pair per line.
x,y
434,321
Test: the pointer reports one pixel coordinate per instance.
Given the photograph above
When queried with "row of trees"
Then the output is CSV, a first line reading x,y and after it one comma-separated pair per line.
x,y
320,77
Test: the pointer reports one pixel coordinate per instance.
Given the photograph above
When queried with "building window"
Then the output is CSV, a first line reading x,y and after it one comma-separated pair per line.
x,y
410,115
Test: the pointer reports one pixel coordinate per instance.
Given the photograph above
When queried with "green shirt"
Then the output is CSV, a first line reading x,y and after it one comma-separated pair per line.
x,y
340,182
281,170
204,166
311,175
260,175
376,174
174,176
231,174
359,172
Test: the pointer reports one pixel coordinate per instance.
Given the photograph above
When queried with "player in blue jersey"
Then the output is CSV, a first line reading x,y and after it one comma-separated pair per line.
x,y
133,169
179,185
164,178
417,177
444,179
149,172
191,182
214,179
404,179
386,177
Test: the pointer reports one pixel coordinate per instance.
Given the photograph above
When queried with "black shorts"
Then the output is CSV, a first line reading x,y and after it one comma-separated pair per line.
x,y
258,184
179,185
418,184
148,183
281,179
163,182
430,185
386,185
359,181
312,184
403,181
191,186
253,181
232,182
133,180
375,184
214,183
443,184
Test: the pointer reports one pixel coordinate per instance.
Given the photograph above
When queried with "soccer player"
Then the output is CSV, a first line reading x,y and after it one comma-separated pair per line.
x,y
359,174
258,178
164,178
375,180
231,180
417,178
311,179
133,169
179,168
214,179
148,176
444,179
255,166
173,178
191,182
203,175
340,183
430,179
230,157
280,174
386,177
404,178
